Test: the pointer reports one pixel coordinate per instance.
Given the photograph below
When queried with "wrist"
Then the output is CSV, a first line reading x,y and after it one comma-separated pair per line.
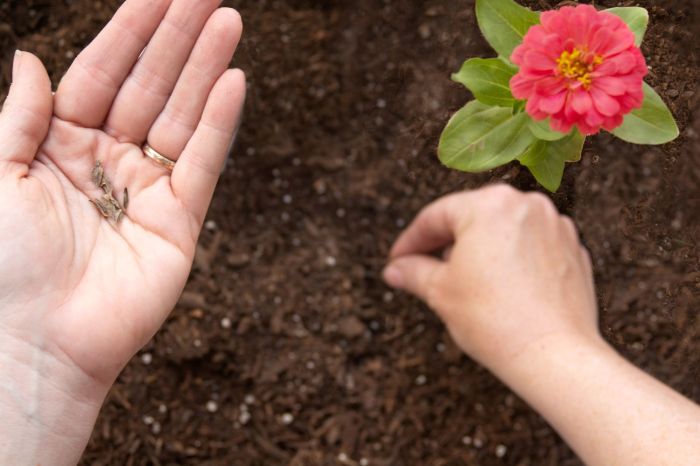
x,y
48,406
544,362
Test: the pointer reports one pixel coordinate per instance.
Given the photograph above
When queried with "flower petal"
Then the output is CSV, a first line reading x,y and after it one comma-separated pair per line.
x,y
581,101
554,103
611,85
554,20
594,118
550,86
518,56
521,87
613,122
623,39
601,41
539,61
605,104
624,62
579,26
558,123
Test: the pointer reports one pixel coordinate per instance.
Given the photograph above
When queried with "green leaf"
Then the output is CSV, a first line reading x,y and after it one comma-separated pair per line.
x,y
480,137
652,124
519,106
637,18
543,130
504,23
488,79
546,159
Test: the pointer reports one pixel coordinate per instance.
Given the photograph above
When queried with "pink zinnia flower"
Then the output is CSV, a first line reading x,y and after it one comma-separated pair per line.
x,y
579,67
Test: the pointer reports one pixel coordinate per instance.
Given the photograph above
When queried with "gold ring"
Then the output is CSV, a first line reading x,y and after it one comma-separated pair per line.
x,y
161,160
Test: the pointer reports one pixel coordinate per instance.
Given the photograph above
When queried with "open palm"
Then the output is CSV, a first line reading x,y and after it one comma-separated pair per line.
x,y
86,290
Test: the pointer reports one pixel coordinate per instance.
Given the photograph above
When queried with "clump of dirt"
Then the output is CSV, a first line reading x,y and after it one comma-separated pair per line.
x,y
286,348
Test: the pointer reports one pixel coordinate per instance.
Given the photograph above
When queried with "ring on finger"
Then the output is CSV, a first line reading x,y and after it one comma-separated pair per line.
x,y
157,157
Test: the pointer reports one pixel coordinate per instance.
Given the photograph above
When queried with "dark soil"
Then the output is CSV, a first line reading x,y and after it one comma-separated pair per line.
x,y
286,347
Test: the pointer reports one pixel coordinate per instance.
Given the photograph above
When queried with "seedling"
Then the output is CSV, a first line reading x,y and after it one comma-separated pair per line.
x,y
560,76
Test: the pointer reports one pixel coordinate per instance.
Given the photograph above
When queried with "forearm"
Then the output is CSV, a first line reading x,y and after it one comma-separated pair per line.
x,y
610,412
47,412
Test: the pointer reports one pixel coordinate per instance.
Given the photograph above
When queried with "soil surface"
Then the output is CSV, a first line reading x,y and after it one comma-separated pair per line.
x,y
286,348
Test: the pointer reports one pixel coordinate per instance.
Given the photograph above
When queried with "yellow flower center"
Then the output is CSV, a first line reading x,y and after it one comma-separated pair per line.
x,y
579,65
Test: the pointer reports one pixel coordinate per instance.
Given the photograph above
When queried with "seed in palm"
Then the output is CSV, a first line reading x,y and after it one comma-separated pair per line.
x,y
108,206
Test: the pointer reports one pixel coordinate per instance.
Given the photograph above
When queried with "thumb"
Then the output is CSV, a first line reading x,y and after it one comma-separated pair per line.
x,y
415,274
26,115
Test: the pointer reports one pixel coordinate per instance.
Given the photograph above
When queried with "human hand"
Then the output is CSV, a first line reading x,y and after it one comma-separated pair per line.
x,y
80,294
515,289
515,273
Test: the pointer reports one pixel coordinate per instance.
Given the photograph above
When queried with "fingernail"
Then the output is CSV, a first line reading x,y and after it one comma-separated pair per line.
x,y
16,63
393,276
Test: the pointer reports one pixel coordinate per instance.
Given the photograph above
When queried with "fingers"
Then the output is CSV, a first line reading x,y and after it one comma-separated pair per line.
x,y
147,89
26,116
415,274
210,58
435,227
88,89
197,171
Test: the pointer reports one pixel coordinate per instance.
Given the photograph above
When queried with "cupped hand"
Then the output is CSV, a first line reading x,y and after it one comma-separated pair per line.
x,y
77,290
514,273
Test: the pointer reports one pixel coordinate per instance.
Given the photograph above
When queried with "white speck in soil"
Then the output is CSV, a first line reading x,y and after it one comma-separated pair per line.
x,y
310,365
388,297
296,242
501,451
374,325
244,417
381,103
340,213
249,399
331,261
478,443
400,222
250,151
226,323
148,420
287,418
342,457
287,199
364,462
421,380
285,216
212,406
162,409
210,225
146,358
467,440
156,428
197,343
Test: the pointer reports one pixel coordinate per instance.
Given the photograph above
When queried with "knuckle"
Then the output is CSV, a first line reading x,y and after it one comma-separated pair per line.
x,y
569,225
502,190
502,196
541,204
